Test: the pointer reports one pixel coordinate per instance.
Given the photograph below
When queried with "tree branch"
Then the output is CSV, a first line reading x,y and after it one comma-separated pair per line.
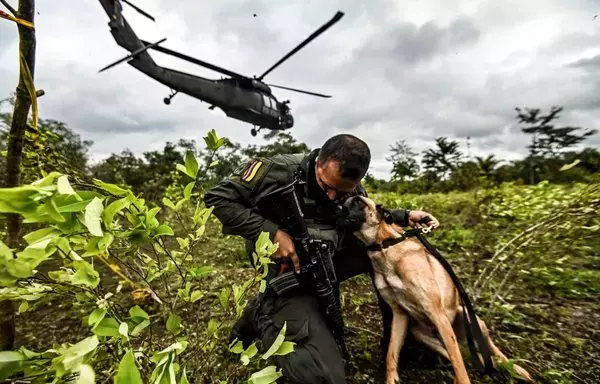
x,y
11,9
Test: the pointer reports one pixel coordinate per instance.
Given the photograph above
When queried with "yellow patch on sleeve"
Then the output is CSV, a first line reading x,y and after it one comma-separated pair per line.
x,y
252,171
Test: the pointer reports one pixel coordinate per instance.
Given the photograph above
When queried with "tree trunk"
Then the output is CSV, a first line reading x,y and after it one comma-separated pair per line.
x,y
26,11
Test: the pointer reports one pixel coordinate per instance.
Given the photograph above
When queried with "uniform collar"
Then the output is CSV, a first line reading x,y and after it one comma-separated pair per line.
x,y
308,168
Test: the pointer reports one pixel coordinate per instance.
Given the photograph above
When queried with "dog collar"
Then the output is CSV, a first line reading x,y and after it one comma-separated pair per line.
x,y
395,240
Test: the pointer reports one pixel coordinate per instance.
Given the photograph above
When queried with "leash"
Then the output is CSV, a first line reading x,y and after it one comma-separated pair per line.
x,y
471,324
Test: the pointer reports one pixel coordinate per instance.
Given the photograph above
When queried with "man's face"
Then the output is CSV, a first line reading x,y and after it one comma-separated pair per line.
x,y
331,182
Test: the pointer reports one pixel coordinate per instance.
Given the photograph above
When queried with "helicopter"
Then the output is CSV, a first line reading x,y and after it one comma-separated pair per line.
x,y
244,98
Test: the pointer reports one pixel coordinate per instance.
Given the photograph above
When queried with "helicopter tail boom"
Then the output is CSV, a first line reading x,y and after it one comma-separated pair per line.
x,y
124,34
140,58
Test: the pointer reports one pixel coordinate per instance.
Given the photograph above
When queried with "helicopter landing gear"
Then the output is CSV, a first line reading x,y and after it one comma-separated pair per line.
x,y
167,99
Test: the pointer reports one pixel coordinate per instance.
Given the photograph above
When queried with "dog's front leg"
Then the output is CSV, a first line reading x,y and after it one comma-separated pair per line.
x,y
397,337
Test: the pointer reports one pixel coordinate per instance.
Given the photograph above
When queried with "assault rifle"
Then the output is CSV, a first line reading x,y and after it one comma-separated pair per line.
x,y
315,256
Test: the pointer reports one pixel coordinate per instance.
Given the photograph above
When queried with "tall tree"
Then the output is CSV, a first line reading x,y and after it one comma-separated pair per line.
x,y
487,165
547,140
404,162
25,96
443,159
284,143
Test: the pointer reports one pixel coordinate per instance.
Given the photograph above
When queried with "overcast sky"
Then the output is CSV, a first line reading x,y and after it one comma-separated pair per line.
x,y
397,70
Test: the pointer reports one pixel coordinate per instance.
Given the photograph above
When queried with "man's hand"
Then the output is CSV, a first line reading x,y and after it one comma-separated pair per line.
x,y
416,219
286,250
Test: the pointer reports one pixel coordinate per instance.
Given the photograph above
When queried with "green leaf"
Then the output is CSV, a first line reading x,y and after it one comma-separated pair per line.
x,y
52,210
277,343
181,168
86,274
138,315
164,229
184,379
26,261
237,347
86,375
195,296
114,208
107,327
140,327
44,235
128,372
248,354
5,252
285,348
174,324
212,327
191,164
75,354
201,271
64,187
166,201
266,375
93,212
96,316
224,297
73,207
110,188
187,191
124,330
10,357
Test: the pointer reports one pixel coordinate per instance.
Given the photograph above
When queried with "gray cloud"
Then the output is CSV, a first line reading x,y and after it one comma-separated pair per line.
x,y
396,70
410,43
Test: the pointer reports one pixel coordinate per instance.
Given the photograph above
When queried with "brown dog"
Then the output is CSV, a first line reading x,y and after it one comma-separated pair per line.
x,y
420,292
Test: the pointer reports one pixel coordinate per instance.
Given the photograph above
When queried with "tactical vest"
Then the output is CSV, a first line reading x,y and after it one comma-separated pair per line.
x,y
320,219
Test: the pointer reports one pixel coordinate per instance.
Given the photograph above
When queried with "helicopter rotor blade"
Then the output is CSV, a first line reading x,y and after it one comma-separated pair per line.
x,y
299,90
133,54
316,33
196,61
138,9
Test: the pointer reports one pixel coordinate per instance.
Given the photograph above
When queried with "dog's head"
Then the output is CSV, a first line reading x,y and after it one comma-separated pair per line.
x,y
368,218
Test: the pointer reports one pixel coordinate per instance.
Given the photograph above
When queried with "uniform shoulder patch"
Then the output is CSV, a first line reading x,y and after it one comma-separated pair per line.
x,y
252,171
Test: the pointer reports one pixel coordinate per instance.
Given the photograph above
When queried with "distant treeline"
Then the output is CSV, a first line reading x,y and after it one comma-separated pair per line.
x,y
443,167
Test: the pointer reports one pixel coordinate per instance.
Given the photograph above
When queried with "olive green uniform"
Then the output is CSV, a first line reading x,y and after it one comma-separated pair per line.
x,y
316,358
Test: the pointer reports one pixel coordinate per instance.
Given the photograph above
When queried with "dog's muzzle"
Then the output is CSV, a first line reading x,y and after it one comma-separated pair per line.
x,y
351,214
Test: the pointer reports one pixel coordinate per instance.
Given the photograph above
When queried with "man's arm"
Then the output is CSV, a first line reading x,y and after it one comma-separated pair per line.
x,y
234,199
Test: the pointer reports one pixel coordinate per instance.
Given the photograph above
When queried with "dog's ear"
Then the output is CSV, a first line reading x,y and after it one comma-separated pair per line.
x,y
383,213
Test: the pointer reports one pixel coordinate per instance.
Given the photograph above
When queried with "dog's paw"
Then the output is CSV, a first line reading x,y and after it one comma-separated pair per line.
x,y
522,374
393,378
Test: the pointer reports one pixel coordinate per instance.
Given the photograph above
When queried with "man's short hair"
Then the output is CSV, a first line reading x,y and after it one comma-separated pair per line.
x,y
352,153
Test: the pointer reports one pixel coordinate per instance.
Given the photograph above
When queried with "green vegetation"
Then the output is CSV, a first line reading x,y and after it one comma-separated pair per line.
x,y
108,280
116,272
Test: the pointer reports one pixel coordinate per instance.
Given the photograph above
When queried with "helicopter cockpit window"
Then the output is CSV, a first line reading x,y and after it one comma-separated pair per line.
x,y
269,102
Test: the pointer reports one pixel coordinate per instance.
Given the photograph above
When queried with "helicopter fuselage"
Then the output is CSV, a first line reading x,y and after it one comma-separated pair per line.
x,y
244,98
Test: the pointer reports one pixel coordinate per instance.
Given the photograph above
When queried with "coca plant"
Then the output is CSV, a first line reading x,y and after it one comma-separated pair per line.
x,y
81,237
